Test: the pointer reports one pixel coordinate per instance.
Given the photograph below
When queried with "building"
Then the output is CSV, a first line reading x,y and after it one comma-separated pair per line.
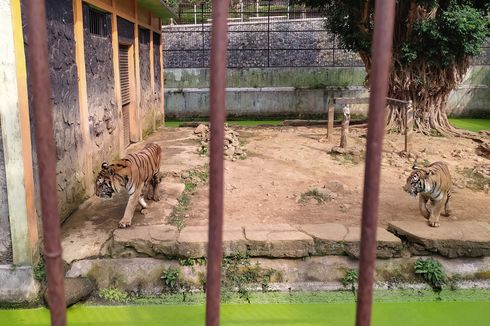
x,y
106,72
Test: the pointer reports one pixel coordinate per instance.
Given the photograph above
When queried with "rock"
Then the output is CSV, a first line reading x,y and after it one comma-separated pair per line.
x,y
335,186
201,129
76,289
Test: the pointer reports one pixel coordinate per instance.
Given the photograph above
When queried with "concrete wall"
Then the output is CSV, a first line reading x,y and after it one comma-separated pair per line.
x,y
102,109
298,92
5,242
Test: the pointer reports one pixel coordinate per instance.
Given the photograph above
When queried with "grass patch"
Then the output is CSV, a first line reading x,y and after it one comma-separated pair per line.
x,y
475,125
409,307
347,158
316,194
114,295
191,180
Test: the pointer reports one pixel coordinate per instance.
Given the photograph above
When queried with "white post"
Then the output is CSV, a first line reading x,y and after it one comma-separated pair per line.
x,y
257,7
12,132
241,10
195,14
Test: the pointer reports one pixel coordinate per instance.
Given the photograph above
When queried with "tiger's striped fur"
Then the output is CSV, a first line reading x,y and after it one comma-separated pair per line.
x,y
432,183
138,173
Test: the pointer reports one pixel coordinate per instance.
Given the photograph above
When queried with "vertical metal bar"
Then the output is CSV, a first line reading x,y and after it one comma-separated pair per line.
x,y
381,55
43,121
217,118
268,33
202,34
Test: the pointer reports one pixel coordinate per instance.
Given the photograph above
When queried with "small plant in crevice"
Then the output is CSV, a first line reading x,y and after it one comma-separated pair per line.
x,y
170,278
316,194
191,180
240,275
432,272
350,279
39,271
114,294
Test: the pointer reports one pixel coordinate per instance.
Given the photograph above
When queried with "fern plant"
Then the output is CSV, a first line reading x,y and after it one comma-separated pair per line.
x,y
432,271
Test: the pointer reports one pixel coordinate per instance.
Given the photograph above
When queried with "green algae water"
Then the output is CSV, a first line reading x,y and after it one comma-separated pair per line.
x,y
399,307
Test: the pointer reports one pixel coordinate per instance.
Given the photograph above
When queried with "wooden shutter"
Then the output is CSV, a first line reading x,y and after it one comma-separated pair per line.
x,y
124,74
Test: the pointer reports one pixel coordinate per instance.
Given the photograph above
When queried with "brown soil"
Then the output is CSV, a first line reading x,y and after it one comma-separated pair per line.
x,y
285,162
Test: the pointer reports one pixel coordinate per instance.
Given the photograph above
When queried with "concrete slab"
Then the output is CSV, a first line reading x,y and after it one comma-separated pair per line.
x,y
452,239
193,241
18,285
149,240
328,237
277,240
388,246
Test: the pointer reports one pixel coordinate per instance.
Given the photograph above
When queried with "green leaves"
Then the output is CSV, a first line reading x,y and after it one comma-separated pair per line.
x,y
432,271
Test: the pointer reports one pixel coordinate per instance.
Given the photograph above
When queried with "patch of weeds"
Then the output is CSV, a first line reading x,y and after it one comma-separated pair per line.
x,y
202,150
113,294
350,279
432,272
476,180
314,193
175,283
193,261
239,275
170,278
191,180
347,158
394,130
40,271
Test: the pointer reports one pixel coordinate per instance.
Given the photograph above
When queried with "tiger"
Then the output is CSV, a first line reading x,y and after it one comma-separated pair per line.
x,y
432,183
138,173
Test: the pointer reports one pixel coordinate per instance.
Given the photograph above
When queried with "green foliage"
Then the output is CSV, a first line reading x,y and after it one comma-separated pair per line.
x,y
193,261
457,29
350,279
432,272
170,278
239,274
113,294
40,271
314,193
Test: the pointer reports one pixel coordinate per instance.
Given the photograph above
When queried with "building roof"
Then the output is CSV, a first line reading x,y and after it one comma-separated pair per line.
x,y
158,7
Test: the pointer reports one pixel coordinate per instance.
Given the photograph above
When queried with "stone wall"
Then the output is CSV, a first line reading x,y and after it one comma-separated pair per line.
x,y
157,71
282,43
66,112
5,242
102,109
146,103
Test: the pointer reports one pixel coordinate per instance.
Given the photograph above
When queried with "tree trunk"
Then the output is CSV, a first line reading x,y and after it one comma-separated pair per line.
x,y
428,88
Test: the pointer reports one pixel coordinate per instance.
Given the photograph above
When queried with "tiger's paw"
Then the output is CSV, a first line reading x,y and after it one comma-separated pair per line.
x,y
434,223
144,211
156,198
124,223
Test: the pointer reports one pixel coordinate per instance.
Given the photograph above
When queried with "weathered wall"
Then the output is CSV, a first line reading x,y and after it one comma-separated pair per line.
x,y
298,92
264,92
5,242
102,109
66,112
157,71
146,104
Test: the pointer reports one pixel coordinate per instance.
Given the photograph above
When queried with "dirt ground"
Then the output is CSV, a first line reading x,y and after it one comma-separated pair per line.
x,y
285,162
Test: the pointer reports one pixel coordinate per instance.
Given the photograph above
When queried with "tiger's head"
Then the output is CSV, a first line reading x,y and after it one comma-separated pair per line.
x,y
416,180
109,180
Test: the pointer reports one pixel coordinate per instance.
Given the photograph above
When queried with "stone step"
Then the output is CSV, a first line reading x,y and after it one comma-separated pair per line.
x,y
452,239
269,240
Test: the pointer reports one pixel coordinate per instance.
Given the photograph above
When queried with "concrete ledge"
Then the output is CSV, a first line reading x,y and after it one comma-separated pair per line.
x,y
18,285
452,239
147,240
277,240
388,245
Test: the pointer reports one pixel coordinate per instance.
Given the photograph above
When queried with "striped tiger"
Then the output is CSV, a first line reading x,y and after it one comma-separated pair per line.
x,y
138,173
432,183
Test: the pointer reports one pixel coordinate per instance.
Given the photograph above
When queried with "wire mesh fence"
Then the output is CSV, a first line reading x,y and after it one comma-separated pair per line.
x,y
262,34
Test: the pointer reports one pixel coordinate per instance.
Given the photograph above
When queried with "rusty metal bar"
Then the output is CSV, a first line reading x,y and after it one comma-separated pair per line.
x,y
219,40
43,121
381,54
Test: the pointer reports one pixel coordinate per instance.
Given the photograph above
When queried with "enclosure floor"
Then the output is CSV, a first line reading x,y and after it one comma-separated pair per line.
x,y
265,196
